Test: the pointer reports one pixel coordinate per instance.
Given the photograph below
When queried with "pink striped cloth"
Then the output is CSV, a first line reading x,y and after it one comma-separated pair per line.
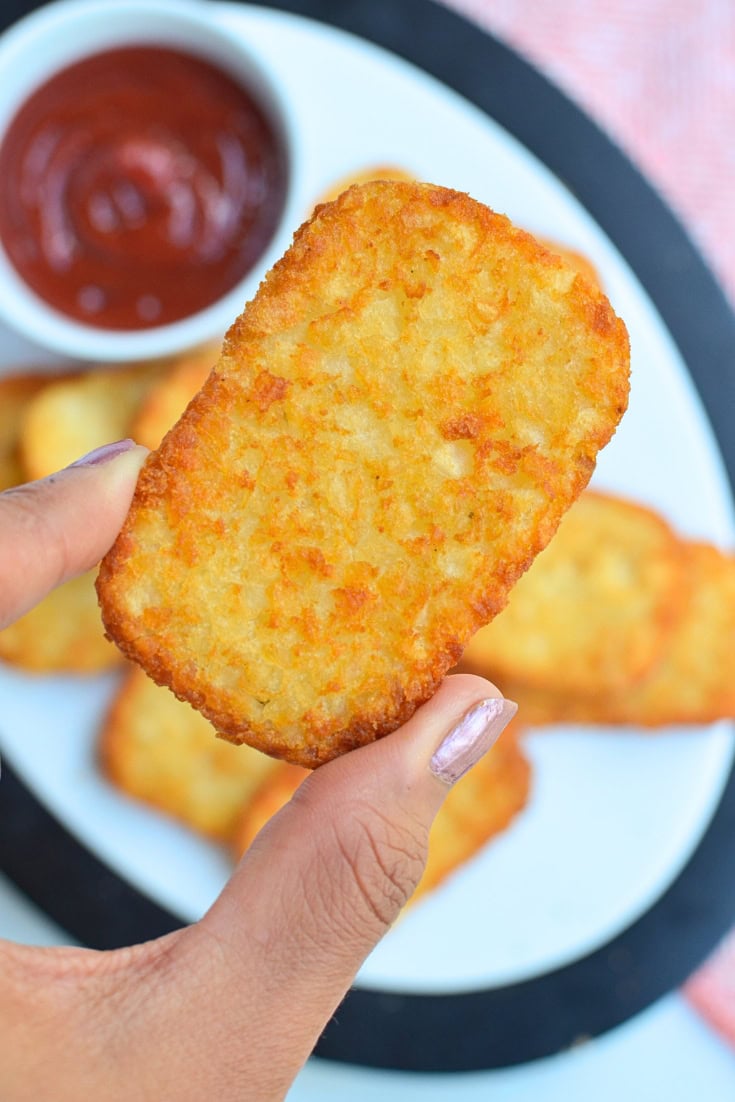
x,y
659,76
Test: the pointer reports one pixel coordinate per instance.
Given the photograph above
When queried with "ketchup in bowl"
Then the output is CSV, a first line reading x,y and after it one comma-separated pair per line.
x,y
138,186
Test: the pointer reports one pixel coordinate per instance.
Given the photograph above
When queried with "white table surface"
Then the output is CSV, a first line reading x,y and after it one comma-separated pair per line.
x,y
665,1055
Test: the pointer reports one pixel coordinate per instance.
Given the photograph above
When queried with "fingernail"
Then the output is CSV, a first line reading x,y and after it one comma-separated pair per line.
x,y
104,454
473,736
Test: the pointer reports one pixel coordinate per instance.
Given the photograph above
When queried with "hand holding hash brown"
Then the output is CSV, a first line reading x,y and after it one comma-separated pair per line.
x,y
397,423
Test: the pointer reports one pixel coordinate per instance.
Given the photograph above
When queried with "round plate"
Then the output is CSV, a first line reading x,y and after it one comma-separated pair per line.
x,y
606,892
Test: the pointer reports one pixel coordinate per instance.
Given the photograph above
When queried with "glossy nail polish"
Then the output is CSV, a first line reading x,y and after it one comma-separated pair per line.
x,y
104,454
471,738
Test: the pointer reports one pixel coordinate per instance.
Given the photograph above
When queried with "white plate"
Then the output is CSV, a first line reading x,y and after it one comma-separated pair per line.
x,y
613,818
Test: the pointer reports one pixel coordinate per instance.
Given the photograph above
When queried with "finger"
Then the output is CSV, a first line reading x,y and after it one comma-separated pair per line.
x,y
62,525
329,874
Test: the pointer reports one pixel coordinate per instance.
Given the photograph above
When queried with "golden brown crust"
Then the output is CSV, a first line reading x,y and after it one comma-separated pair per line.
x,y
396,426
63,633
575,259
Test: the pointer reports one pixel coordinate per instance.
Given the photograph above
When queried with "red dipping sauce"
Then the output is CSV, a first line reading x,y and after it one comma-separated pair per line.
x,y
138,186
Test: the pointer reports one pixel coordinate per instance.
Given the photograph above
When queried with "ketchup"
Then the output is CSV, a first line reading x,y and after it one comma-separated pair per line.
x,y
138,186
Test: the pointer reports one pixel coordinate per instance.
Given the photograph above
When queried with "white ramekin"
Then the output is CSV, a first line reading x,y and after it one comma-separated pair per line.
x,y
63,32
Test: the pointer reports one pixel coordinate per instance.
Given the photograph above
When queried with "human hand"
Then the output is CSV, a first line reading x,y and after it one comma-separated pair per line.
x,y
231,1007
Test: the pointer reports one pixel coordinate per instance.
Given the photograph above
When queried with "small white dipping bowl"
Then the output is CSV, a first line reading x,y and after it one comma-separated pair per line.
x,y
62,33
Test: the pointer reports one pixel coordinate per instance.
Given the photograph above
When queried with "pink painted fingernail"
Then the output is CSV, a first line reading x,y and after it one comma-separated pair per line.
x,y
104,454
472,737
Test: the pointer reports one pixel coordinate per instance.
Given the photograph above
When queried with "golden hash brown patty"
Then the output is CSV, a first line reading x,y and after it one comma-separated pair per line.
x,y
63,633
595,609
70,417
396,425
693,681
161,751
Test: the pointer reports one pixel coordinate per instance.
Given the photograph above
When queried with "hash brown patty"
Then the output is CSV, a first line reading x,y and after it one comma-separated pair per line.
x,y
693,681
395,427
595,610
161,752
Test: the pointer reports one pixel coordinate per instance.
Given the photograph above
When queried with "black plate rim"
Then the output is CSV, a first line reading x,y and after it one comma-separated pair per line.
x,y
498,1027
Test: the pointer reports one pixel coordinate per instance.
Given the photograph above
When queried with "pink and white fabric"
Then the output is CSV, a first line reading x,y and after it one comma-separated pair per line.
x,y
659,76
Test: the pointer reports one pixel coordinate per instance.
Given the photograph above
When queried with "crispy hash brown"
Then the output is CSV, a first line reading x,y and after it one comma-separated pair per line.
x,y
61,634
594,611
69,418
161,751
693,682
398,421
481,805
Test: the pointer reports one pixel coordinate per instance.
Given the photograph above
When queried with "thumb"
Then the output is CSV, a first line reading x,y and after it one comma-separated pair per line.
x,y
60,526
329,874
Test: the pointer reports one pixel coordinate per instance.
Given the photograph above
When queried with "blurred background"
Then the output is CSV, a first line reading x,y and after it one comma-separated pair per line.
x,y
659,77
